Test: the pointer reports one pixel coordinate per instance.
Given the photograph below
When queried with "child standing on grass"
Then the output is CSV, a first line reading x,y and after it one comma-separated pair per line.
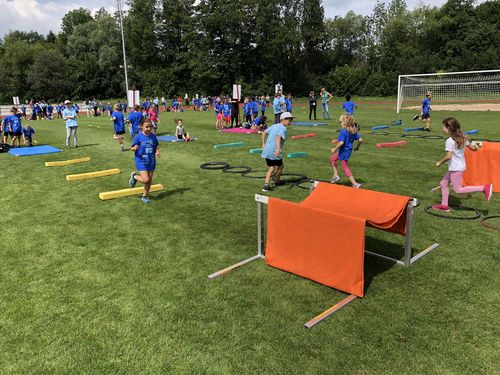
x,y
180,132
12,122
349,106
153,116
425,112
4,127
455,156
119,125
218,115
146,149
343,149
272,149
28,135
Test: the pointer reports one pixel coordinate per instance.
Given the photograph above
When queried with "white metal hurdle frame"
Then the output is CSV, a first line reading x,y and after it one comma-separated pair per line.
x,y
407,259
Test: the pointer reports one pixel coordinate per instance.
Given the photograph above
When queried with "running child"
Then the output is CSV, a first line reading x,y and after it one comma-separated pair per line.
x,y
425,112
153,116
146,149
28,135
135,119
180,132
272,149
349,106
455,156
119,125
343,149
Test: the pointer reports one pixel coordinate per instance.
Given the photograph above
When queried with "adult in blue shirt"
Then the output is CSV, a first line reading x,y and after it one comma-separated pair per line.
x,y
349,106
69,115
272,149
135,119
279,106
425,112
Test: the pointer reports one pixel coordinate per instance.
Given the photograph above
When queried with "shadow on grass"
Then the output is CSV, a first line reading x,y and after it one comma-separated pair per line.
x,y
374,265
169,193
88,145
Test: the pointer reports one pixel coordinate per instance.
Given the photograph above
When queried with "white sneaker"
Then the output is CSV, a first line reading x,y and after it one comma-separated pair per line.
x,y
356,186
334,179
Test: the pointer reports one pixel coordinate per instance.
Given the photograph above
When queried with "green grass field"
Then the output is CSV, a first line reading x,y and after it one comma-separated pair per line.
x,y
120,286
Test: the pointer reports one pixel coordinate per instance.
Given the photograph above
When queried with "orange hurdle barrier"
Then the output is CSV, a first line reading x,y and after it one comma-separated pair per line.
x,y
304,136
483,166
309,238
391,144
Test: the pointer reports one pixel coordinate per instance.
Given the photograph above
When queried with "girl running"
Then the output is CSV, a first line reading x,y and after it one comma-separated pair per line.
x,y
119,125
455,156
146,149
343,149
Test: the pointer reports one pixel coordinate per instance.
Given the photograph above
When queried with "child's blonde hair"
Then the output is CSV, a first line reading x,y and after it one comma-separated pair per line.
x,y
349,124
116,107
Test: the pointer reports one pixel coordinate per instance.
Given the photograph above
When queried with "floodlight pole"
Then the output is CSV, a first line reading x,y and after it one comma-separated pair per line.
x,y
119,6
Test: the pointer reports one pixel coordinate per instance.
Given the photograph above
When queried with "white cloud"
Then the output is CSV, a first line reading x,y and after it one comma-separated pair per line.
x,y
40,15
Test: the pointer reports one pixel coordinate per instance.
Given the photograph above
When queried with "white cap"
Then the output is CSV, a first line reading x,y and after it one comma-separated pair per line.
x,y
285,115
67,102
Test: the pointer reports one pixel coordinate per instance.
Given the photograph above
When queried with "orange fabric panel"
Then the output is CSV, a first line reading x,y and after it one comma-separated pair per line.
x,y
483,166
381,210
323,246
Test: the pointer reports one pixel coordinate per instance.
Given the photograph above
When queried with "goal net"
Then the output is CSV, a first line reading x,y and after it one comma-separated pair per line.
x,y
457,87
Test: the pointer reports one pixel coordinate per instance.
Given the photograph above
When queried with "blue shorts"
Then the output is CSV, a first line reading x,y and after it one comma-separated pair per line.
x,y
145,167
426,116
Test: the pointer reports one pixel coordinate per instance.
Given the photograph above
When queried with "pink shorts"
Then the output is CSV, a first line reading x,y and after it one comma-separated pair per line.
x,y
219,116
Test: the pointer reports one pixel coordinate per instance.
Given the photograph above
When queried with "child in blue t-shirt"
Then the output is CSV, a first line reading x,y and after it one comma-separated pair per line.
x,y
272,149
349,106
226,110
343,149
263,104
13,124
135,118
146,149
425,112
288,103
119,125
28,135
259,124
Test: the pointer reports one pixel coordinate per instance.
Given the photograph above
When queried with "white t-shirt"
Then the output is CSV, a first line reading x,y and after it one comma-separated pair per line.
x,y
457,162
179,130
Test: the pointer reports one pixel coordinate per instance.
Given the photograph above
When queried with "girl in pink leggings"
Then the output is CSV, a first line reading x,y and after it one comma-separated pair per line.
x,y
343,149
455,149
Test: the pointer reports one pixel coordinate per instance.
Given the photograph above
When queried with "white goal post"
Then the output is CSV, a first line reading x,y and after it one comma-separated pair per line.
x,y
481,86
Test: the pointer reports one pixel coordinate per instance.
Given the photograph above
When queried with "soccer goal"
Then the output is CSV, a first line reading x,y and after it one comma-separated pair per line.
x,y
457,88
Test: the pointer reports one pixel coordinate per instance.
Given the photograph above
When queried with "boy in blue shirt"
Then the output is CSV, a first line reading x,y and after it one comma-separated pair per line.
x,y
119,125
279,106
425,112
28,134
146,149
12,122
272,149
135,118
288,103
349,106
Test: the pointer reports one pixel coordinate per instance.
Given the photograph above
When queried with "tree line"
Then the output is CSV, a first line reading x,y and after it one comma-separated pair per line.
x,y
182,46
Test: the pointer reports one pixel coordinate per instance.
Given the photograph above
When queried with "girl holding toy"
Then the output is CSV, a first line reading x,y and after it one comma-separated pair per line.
x,y
146,149
343,149
455,156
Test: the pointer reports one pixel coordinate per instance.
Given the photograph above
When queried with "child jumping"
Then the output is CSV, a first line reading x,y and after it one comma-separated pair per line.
x,y
425,112
146,149
343,149
180,132
272,149
119,125
455,156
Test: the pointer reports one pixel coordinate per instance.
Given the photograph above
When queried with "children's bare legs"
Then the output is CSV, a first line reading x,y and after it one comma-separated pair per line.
x,y
456,180
145,177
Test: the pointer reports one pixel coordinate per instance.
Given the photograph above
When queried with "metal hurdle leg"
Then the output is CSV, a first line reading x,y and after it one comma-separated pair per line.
x,y
261,200
330,311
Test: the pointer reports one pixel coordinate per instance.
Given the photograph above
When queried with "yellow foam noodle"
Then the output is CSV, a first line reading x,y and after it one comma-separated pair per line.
x,y
65,162
128,192
85,176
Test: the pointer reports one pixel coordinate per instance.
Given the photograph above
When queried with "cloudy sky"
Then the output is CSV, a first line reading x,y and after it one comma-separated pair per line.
x,y
45,15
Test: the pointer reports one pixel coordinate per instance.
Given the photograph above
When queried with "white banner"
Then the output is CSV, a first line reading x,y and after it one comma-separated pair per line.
x,y
278,87
133,97
237,92
16,101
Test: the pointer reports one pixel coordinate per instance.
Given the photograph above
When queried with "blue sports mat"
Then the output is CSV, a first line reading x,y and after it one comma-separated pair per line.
x,y
171,138
35,150
301,123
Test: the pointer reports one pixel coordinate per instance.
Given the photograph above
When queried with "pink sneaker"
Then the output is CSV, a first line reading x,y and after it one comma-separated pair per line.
x,y
441,207
488,191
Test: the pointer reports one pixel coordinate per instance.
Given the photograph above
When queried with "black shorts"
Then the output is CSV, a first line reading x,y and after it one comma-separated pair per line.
x,y
274,163
426,116
120,133
5,134
180,136
12,134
